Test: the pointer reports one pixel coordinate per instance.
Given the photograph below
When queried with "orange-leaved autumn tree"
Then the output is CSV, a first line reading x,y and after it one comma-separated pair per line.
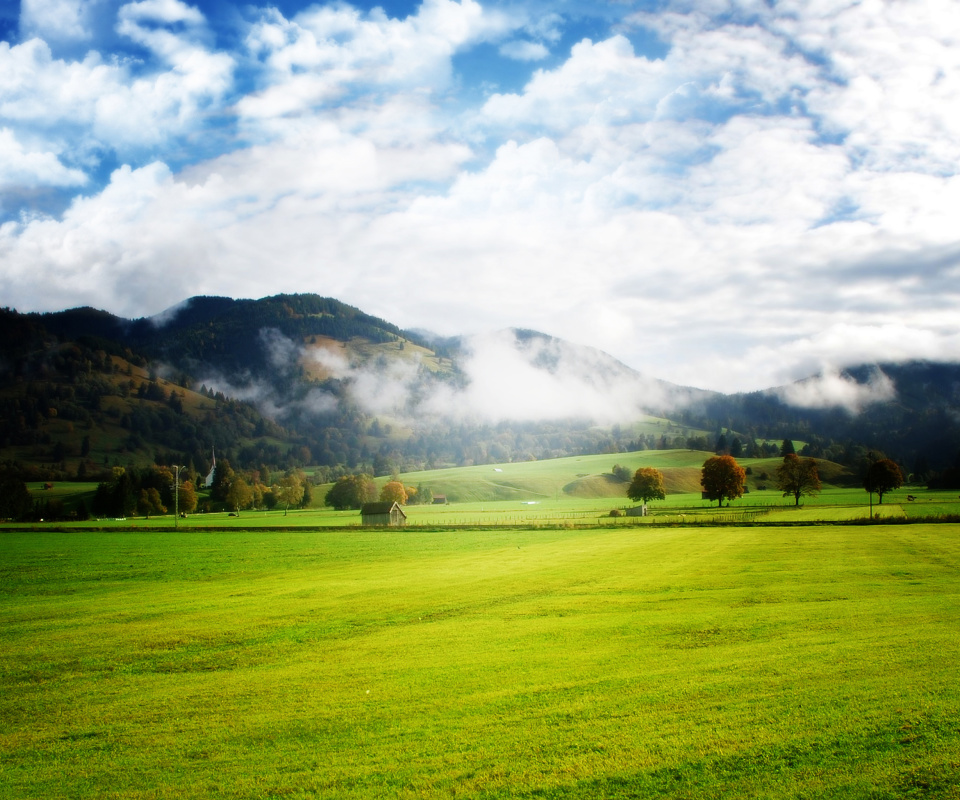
x,y
393,492
722,478
647,484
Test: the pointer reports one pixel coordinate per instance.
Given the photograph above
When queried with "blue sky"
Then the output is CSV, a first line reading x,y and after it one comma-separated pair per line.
x,y
728,194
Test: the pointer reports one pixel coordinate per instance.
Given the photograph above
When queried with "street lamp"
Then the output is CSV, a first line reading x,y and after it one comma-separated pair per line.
x,y
176,497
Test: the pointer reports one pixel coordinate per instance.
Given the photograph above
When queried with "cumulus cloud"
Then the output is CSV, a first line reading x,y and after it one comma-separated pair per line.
x,y
58,20
20,167
769,192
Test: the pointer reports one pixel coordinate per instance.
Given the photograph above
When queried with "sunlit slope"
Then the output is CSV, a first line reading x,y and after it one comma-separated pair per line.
x,y
591,476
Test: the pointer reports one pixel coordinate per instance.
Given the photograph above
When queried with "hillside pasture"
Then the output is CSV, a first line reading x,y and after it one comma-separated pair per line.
x,y
578,491
662,662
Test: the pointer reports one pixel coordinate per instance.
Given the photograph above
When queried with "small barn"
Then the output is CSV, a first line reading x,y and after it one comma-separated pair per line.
x,y
385,513
637,511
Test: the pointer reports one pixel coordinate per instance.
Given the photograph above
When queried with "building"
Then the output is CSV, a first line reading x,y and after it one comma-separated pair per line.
x,y
208,481
385,513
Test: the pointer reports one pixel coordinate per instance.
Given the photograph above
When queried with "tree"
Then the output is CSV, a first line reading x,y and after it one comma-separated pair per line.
x,y
393,492
223,475
798,477
187,497
289,491
787,448
351,491
148,502
647,484
15,500
621,473
722,478
239,495
883,476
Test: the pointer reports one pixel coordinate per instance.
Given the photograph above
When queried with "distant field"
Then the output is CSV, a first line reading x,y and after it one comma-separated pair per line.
x,y
655,662
577,491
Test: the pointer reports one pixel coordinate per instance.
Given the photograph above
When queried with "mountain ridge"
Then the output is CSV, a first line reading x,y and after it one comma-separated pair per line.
x,y
325,383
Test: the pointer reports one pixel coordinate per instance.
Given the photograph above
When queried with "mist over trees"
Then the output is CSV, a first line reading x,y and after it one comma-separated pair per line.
x,y
84,392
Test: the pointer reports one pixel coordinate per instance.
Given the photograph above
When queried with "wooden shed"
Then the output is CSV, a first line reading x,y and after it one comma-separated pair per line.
x,y
385,513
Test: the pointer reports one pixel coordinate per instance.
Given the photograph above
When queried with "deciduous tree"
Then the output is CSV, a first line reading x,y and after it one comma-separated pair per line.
x,y
351,491
239,495
393,492
722,479
148,502
15,500
647,484
798,477
187,497
883,476
289,491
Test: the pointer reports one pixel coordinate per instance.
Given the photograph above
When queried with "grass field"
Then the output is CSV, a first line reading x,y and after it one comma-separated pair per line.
x,y
646,662
578,491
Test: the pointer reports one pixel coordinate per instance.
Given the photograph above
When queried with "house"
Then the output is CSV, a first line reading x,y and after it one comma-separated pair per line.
x,y
439,499
637,511
385,513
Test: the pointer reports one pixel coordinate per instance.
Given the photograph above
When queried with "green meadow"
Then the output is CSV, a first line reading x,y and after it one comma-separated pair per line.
x,y
655,661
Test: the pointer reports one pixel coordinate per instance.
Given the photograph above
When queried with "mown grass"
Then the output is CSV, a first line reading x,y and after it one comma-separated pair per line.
x,y
660,662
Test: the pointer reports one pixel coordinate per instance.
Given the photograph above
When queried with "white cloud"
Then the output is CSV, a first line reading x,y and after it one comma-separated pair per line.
x,y
20,167
833,390
520,50
776,193
59,20
326,51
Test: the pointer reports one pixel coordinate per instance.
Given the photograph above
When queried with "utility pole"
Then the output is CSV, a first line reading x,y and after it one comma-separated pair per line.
x,y
176,497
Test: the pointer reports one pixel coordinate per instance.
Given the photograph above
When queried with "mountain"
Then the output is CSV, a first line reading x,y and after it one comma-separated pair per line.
x,y
296,380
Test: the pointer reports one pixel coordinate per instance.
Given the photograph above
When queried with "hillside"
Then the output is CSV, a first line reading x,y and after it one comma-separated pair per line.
x,y
591,477
301,380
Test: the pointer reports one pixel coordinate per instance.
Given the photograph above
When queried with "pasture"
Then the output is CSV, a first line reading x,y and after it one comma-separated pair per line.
x,y
576,491
776,662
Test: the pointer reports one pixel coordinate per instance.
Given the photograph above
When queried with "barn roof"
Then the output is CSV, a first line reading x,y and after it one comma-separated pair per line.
x,y
385,507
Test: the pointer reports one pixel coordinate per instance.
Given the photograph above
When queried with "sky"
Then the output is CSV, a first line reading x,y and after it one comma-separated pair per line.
x,y
727,195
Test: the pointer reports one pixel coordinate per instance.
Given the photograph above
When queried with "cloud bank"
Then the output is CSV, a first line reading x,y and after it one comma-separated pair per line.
x,y
730,195
503,376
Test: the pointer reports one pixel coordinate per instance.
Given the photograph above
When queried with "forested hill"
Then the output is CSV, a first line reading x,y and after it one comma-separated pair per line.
x,y
298,380
221,332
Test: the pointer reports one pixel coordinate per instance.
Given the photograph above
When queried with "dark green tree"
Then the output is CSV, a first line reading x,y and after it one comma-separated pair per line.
x,y
15,500
621,473
351,491
798,477
223,476
883,476
787,448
